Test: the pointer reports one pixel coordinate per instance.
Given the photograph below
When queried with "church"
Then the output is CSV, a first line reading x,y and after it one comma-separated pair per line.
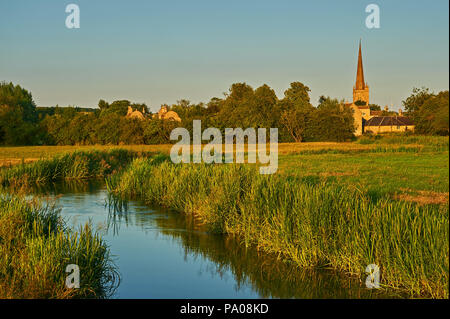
x,y
370,121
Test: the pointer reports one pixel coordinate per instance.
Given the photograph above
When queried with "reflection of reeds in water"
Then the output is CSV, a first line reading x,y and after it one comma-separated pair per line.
x,y
267,275
69,186
117,211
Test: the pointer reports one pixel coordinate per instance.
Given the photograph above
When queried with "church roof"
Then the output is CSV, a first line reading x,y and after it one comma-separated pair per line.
x,y
360,84
389,121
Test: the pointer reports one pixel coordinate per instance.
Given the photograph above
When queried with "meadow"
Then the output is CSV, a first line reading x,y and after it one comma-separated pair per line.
x,y
334,205
414,168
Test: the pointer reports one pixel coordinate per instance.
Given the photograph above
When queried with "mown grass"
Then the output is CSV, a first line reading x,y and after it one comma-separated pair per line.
x,y
36,247
314,225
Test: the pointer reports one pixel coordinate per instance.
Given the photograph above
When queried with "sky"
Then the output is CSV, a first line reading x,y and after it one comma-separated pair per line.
x,y
157,52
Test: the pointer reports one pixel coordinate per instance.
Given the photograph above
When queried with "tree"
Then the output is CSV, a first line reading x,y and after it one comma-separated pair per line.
x,y
18,99
332,121
237,108
429,111
415,101
295,112
264,107
295,122
374,107
103,105
18,116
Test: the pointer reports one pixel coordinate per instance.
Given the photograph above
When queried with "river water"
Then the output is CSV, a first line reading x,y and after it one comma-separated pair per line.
x,y
163,254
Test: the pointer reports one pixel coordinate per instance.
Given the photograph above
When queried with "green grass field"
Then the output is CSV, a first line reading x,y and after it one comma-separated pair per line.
x,y
376,173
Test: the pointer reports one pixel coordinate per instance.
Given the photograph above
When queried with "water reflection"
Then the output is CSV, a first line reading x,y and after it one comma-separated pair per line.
x,y
181,247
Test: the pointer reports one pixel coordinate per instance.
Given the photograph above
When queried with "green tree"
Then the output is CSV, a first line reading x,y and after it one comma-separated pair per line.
x,y
18,116
415,101
18,99
295,111
430,112
332,121
374,107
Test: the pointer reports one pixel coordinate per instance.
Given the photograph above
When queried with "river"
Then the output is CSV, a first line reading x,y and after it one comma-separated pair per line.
x,y
164,254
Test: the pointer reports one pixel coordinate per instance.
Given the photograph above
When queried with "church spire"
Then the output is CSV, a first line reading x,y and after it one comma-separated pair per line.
x,y
360,84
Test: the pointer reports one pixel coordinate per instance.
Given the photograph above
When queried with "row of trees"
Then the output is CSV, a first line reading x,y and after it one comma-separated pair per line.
x,y
294,116
297,120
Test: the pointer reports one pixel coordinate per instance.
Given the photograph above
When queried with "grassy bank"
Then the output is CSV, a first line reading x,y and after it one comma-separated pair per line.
x,y
35,248
75,165
312,224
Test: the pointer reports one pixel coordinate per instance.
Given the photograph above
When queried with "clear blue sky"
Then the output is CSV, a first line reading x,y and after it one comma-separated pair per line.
x,y
162,51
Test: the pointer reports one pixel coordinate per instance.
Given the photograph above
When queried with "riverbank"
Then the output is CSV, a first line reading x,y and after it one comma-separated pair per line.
x,y
312,224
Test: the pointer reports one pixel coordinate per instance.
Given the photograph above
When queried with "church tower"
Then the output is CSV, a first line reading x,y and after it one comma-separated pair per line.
x,y
361,89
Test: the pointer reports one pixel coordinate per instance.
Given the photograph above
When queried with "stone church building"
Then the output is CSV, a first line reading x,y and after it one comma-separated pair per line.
x,y
368,121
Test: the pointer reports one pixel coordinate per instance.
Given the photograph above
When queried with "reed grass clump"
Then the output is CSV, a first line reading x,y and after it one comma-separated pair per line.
x,y
35,249
322,225
76,165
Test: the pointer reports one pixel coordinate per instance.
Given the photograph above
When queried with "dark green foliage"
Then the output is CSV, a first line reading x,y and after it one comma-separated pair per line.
x,y
19,100
374,107
360,103
17,116
430,111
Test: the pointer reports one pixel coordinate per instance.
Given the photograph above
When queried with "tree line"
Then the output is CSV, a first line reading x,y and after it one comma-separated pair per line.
x,y
22,123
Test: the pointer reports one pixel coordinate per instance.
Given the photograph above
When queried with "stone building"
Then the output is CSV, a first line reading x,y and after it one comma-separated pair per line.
x,y
367,120
164,114
135,114
388,124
